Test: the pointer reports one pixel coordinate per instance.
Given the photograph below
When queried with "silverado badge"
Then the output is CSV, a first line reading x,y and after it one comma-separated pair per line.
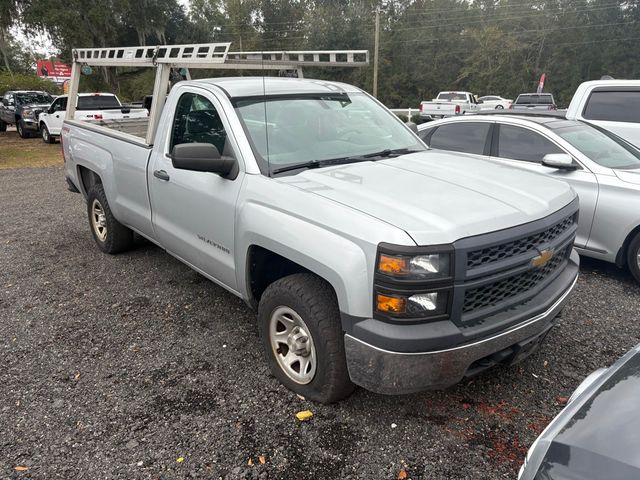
x,y
542,259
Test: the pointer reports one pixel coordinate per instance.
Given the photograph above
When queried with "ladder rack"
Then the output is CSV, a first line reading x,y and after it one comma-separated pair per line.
x,y
200,55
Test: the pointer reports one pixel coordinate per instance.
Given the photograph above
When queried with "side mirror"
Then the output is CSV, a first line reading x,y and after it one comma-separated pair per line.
x,y
201,157
412,126
561,161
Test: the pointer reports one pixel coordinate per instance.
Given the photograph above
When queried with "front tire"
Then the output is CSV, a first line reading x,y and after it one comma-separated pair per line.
x,y
110,235
299,323
3,126
633,257
21,130
46,136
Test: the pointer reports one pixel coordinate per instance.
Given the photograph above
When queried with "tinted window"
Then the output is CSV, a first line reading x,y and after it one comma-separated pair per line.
x,y
613,106
423,134
33,98
465,137
197,121
97,102
452,96
535,99
59,104
522,144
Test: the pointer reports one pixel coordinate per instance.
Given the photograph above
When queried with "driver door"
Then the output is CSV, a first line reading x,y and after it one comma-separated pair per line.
x,y
194,212
56,115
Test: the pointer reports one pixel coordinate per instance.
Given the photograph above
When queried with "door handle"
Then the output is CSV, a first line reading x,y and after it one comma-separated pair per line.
x,y
161,174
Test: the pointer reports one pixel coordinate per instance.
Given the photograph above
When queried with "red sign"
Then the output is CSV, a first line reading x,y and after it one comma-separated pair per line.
x,y
541,83
54,70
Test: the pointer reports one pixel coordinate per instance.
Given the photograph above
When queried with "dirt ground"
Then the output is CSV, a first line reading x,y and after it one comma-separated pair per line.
x,y
16,152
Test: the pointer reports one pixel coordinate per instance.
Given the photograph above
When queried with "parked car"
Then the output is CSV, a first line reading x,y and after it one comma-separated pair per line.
x,y
596,435
447,104
493,102
21,108
358,246
90,106
534,101
603,168
611,104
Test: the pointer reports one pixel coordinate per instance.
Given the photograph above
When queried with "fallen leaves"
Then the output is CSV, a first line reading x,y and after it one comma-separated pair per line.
x,y
20,468
563,400
262,459
402,474
304,415
180,459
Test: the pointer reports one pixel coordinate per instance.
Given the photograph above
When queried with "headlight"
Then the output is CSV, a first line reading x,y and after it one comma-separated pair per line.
x,y
414,306
426,266
28,113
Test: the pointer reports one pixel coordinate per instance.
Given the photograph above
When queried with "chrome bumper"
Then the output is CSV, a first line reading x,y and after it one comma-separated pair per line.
x,y
387,372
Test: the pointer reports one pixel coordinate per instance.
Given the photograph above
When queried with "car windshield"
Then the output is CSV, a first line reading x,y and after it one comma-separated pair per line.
x,y
452,96
535,99
602,147
97,102
33,98
293,129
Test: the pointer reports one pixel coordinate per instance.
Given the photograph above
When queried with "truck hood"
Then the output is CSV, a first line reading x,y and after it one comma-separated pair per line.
x,y
438,197
43,106
629,176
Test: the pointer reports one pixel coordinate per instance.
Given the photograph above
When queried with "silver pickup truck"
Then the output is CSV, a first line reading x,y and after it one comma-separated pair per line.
x,y
370,259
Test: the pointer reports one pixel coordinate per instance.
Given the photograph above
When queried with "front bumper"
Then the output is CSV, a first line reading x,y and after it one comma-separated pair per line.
x,y
30,124
392,372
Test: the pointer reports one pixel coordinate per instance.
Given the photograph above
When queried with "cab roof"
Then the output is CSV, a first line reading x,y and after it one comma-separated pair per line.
x,y
236,87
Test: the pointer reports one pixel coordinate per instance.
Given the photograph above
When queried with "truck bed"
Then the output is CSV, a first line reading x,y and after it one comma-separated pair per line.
x,y
133,130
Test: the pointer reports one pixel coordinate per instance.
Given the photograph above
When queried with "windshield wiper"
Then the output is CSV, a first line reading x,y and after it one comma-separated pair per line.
x,y
343,160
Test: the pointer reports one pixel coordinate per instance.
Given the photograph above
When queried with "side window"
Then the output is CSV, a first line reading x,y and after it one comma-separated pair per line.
x,y
522,144
197,121
424,134
613,106
468,137
59,104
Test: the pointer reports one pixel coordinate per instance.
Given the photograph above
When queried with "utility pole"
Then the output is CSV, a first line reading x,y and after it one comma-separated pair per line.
x,y
376,49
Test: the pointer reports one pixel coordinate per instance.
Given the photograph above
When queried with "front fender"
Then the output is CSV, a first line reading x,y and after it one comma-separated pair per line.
x,y
329,255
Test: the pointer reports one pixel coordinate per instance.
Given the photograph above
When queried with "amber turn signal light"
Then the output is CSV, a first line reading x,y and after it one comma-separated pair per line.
x,y
392,265
389,304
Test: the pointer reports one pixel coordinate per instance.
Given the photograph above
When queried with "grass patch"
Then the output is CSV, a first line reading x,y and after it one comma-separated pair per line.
x,y
16,152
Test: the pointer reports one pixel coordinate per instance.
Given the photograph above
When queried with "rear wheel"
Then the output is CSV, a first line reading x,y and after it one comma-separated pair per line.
x,y
633,257
110,235
299,324
46,136
499,107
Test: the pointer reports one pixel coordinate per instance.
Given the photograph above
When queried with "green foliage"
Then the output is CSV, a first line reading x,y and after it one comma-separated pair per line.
x,y
498,47
23,81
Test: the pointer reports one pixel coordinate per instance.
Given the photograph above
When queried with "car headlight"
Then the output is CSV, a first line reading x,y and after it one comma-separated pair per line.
x,y
27,113
413,283
429,265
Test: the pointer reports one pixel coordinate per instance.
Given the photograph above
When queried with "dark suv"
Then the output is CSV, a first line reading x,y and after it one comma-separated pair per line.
x,y
21,108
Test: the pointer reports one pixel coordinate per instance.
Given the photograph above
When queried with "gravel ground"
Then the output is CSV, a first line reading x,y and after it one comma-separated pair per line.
x,y
134,366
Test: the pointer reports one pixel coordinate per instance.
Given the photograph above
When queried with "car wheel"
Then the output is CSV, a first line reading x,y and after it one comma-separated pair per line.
x,y
46,136
499,107
3,126
21,131
110,235
633,257
300,328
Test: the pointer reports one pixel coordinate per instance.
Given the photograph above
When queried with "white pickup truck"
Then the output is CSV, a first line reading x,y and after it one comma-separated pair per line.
x,y
611,104
90,106
448,104
370,259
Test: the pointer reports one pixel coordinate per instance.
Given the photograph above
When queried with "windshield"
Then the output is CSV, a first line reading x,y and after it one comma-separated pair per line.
x,y
33,98
602,147
317,127
535,99
97,102
452,96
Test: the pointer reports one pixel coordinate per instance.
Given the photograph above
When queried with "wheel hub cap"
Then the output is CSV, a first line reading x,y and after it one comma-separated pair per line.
x,y
99,220
292,345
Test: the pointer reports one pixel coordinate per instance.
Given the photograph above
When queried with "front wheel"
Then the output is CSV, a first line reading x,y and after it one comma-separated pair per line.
x,y
46,136
300,328
633,257
3,126
110,235
21,130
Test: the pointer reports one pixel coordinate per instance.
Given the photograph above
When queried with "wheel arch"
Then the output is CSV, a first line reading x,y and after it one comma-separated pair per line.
x,y
621,257
88,178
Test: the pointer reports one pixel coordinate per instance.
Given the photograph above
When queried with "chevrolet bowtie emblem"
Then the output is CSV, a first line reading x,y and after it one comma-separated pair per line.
x,y
542,259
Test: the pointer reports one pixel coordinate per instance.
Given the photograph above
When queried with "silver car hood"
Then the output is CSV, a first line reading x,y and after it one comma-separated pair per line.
x,y
438,197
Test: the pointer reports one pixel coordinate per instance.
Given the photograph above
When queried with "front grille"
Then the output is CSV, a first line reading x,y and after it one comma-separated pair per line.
x,y
495,293
477,258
